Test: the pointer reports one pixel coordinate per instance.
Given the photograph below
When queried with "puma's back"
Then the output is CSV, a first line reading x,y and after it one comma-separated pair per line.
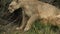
x,y
46,10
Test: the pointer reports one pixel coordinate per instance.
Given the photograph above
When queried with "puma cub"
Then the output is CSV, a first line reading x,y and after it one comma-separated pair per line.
x,y
35,10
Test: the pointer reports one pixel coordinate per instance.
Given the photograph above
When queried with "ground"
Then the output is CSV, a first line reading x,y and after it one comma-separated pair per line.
x,y
37,28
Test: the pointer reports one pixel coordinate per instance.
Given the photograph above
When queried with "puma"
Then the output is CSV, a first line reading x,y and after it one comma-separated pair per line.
x,y
35,10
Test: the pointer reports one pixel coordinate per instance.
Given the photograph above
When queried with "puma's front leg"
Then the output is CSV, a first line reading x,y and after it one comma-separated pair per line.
x,y
31,21
24,20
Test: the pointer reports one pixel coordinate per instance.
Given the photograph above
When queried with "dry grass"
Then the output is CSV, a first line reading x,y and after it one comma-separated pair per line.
x,y
37,28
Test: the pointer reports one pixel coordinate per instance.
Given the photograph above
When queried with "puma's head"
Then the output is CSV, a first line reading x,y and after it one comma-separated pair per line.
x,y
15,4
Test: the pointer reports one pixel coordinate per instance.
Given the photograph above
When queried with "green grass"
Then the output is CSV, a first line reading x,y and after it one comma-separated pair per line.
x,y
38,28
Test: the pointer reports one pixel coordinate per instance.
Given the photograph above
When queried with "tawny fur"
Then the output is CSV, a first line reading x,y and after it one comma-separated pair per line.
x,y
35,9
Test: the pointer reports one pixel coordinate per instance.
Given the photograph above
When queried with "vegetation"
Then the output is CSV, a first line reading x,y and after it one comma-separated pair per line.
x,y
8,21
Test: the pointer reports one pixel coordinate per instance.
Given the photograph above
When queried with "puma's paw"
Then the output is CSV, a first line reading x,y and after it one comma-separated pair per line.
x,y
26,28
19,28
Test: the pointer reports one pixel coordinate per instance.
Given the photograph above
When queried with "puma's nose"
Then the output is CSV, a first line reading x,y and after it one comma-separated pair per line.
x,y
10,9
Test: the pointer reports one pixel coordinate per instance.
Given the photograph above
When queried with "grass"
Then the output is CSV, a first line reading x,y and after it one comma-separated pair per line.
x,y
37,28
